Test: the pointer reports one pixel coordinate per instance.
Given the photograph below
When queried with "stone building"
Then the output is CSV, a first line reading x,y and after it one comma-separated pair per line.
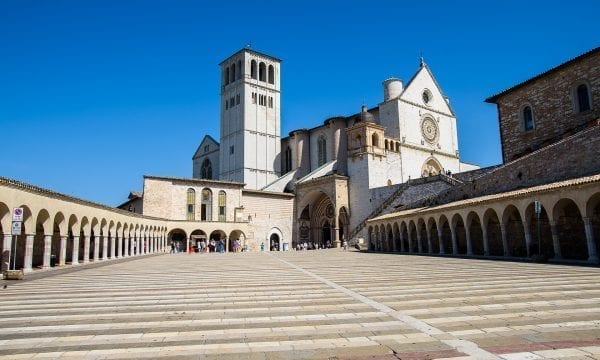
x,y
550,135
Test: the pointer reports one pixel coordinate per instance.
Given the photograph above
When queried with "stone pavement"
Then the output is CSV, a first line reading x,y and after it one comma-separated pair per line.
x,y
324,304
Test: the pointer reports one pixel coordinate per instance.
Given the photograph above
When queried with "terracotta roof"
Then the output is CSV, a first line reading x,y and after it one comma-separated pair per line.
x,y
492,99
494,197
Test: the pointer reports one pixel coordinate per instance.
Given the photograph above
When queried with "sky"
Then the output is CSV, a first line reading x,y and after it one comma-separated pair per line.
x,y
96,94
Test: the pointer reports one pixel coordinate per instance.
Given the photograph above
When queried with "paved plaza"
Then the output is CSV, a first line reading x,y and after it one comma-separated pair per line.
x,y
324,304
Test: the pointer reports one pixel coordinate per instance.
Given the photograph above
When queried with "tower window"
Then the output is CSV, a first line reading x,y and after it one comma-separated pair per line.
x,y
262,70
231,149
253,69
239,68
288,160
206,169
222,205
321,150
233,72
237,99
226,104
583,98
191,201
254,98
226,76
271,74
206,206
527,115
271,102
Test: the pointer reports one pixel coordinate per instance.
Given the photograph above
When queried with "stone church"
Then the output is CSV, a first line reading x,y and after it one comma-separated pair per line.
x,y
338,174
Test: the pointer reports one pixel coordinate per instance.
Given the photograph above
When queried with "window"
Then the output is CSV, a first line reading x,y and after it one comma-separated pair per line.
x,y
233,72
191,203
271,102
583,98
231,149
206,148
527,115
253,69
322,150
226,76
237,99
254,98
288,160
206,169
271,74
262,69
239,67
375,140
222,205
206,206
226,104
231,102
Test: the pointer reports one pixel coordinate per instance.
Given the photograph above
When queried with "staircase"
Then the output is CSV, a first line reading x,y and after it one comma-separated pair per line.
x,y
379,209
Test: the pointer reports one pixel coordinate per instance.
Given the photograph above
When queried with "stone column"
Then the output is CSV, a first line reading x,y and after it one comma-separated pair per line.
x,y
119,246
469,243
486,243
441,241
132,241
504,240
429,243
527,238
28,263
454,245
7,246
47,251
113,243
75,255
555,240
187,244
86,248
105,240
97,239
419,242
126,246
591,243
62,256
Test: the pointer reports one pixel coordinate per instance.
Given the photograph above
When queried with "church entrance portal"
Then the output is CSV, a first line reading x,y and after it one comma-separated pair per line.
x,y
274,242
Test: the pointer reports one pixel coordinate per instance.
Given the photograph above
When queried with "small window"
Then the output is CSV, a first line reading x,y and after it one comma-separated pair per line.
x,y
237,99
253,69
226,76
427,96
231,149
271,102
226,104
206,148
222,205
528,122
239,65
191,201
583,98
254,98
271,74
206,169
321,150
233,72
262,69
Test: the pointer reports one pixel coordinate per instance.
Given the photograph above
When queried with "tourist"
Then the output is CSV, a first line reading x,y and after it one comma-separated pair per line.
x,y
172,247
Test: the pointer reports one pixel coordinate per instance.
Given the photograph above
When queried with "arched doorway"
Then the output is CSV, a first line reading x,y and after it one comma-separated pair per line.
x,y
431,167
274,242
178,238
198,241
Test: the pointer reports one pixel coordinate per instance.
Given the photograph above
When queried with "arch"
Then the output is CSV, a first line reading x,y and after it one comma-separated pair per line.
x,y
206,205
206,169
473,224
357,142
582,97
321,150
375,140
371,244
491,225
404,237
422,235
222,202
386,144
592,213
412,244
271,74
43,228
217,240
570,230
226,76
253,69
541,244
527,117
431,167
178,237
262,71
515,231
389,238
57,249
233,75
240,70
446,234
237,241
198,240
460,233
433,233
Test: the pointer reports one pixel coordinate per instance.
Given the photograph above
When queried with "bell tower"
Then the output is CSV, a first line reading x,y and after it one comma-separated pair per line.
x,y
250,143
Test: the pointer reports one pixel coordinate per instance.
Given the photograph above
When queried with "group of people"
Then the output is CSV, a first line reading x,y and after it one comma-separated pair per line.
x,y
204,246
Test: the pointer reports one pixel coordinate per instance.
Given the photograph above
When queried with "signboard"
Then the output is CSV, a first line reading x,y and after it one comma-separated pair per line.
x,y
538,207
16,228
17,214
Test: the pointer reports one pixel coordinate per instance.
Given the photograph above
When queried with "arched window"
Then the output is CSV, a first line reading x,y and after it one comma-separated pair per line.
x,y
206,205
583,98
233,72
262,72
322,150
375,140
271,74
191,205
206,169
527,114
226,76
239,68
358,142
222,205
288,160
253,69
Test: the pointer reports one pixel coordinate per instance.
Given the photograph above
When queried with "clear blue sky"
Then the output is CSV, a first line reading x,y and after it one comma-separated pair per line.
x,y
95,94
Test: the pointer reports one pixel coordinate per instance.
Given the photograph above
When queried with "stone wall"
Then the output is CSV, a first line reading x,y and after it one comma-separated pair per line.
x,y
268,213
552,99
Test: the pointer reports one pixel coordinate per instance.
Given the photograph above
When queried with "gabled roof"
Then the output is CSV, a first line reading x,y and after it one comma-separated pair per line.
x,y
201,145
424,67
594,51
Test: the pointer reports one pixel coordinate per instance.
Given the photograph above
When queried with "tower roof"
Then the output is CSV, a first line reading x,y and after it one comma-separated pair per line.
x,y
252,51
